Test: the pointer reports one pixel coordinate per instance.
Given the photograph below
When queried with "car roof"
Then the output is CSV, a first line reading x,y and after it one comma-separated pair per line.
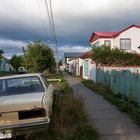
x,y
20,75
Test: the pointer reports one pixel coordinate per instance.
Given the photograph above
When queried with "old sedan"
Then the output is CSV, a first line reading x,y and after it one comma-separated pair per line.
x,y
25,104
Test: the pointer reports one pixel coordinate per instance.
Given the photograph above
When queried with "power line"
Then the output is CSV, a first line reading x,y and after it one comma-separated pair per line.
x,y
42,17
52,26
49,17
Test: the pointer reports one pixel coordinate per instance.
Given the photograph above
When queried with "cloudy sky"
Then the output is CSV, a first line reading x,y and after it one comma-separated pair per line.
x,y
22,21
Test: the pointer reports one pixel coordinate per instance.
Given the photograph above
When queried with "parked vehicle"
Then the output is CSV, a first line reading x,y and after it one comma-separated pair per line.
x,y
25,104
22,70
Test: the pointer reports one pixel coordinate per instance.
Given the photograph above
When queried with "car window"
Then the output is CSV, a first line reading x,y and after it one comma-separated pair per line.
x,y
20,85
1,87
45,80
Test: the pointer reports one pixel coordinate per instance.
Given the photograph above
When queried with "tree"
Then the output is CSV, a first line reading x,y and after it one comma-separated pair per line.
x,y
38,57
16,61
1,52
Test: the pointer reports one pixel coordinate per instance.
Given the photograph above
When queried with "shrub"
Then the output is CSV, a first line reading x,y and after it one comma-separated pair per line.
x,y
107,56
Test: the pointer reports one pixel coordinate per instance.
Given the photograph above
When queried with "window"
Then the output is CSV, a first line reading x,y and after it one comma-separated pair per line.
x,y
95,45
125,44
45,80
20,85
107,43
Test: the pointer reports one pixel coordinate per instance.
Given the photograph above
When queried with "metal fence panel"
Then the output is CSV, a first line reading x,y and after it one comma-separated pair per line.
x,y
123,82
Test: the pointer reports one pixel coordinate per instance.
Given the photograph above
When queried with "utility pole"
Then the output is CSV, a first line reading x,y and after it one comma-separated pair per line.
x,y
56,55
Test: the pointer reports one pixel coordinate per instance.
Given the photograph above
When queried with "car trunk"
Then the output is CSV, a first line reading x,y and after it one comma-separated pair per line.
x,y
17,108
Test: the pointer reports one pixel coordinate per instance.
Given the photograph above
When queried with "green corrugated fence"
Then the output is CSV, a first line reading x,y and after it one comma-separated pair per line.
x,y
123,82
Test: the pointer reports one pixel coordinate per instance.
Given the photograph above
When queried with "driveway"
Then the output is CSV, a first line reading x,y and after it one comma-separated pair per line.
x,y
109,121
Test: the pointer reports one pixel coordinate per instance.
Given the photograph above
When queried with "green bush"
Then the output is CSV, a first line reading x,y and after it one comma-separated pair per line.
x,y
107,56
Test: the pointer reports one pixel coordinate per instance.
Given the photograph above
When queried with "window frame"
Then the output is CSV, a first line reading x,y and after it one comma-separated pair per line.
x,y
125,40
107,41
18,93
45,80
95,45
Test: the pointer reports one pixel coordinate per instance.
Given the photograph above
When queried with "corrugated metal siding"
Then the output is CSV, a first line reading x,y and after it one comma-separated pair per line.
x,y
123,81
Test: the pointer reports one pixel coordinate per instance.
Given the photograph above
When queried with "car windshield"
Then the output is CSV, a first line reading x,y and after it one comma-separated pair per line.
x,y
20,85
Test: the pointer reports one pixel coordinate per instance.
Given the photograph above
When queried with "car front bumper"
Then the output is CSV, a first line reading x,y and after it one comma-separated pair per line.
x,y
22,129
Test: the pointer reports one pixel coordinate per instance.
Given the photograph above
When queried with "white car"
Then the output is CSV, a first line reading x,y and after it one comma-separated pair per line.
x,y
25,104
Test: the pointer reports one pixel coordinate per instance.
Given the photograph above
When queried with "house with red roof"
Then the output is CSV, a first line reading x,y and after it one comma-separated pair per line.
x,y
127,39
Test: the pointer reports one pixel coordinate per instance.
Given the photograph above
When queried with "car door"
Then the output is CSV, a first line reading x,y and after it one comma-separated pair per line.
x,y
48,97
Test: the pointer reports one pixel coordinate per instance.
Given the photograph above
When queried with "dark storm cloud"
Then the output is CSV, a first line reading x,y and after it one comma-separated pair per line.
x,y
21,22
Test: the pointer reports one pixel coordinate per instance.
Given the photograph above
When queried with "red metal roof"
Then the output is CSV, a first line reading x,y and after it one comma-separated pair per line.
x,y
86,55
106,34
133,25
110,34
103,35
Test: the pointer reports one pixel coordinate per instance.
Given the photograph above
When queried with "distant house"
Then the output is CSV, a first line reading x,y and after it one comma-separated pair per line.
x,y
127,39
89,66
5,66
73,63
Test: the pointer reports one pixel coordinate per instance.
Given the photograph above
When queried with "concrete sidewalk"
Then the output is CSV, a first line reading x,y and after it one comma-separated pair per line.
x,y
110,122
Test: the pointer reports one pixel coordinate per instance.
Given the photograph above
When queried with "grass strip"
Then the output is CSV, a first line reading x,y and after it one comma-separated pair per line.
x,y
69,120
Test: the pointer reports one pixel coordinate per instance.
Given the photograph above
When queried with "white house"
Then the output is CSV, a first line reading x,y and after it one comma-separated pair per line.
x,y
73,63
127,39
89,66
5,65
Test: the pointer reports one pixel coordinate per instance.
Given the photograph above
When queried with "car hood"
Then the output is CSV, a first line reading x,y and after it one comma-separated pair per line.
x,y
21,102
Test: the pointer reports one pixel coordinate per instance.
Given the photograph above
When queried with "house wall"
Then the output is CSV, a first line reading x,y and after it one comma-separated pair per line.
x,y
102,41
89,69
71,66
5,66
74,66
98,40
79,65
132,33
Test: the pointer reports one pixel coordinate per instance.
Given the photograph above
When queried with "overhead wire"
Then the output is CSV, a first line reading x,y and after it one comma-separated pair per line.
x,y
43,19
52,18
49,19
52,26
